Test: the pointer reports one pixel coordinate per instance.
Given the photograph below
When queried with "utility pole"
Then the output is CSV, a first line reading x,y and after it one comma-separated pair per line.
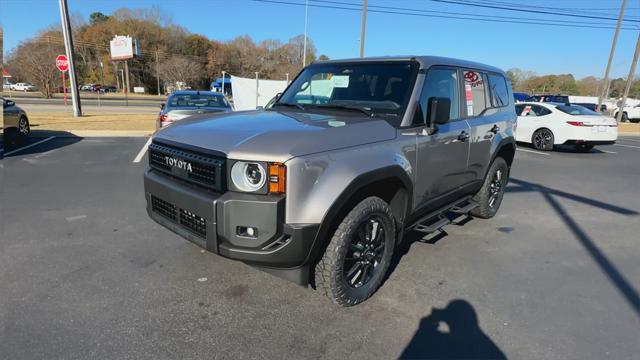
x,y
364,27
605,93
68,45
632,72
126,81
304,47
158,72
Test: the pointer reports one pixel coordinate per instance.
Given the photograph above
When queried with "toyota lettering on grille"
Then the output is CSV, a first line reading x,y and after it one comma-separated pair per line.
x,y
178,163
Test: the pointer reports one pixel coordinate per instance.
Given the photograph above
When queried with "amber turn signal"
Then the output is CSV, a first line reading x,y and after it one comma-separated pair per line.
x,y
277,178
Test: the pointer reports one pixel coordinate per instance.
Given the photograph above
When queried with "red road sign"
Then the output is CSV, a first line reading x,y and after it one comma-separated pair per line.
x,y
62,63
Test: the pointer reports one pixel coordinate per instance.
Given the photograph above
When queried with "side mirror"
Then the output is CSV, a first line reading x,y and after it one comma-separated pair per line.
x,y
278,95
161,106
438,110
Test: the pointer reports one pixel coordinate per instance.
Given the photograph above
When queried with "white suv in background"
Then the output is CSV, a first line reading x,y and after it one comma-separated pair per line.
x,y
629,113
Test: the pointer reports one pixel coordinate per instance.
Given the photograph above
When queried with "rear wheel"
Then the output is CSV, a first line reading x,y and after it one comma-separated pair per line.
x,y
624,118
23,126
490,195
584,147
542,140
358,256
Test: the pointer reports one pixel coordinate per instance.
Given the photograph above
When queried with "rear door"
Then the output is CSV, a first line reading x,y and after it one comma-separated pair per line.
x,y
442,156
486,95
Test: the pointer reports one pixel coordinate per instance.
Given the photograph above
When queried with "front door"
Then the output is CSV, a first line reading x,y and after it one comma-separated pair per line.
x,y
442,156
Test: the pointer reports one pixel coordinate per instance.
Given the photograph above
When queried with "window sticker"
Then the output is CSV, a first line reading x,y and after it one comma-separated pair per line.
x,y
469,96
526,110
340,81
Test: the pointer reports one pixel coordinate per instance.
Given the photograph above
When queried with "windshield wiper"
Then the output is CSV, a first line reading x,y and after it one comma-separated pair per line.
x,y
346,107
289,105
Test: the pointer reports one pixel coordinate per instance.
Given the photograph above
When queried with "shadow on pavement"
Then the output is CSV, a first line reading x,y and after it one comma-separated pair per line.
x,y
451,333
30,145
615,276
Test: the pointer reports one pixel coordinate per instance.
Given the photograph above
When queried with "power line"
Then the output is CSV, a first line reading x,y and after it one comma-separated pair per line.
x,y
483,19
551,22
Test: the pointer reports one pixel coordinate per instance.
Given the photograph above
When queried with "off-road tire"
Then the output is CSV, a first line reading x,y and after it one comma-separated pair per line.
x,y
547,135
329,274
486,209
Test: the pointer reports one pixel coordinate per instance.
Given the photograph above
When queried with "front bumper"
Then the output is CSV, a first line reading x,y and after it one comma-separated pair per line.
x,y
212,220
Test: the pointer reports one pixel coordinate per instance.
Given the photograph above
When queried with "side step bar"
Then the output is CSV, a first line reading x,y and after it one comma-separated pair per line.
x,y
445,215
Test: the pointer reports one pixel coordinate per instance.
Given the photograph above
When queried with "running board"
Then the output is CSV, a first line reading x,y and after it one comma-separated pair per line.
x,y
445,215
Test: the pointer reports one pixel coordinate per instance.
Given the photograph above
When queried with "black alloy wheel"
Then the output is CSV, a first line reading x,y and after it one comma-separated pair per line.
x,y
543,140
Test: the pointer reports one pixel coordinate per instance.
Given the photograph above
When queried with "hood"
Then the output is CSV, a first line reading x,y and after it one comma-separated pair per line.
x,y
274,135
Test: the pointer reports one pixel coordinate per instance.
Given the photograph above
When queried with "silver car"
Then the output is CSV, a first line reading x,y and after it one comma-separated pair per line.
x,y
321,187
185,103
16,122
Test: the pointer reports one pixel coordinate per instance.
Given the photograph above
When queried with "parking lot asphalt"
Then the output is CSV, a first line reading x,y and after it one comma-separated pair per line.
x,y
85,274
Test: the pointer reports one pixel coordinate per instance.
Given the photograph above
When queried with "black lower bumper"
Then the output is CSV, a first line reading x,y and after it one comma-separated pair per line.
x,y
589,142
213,222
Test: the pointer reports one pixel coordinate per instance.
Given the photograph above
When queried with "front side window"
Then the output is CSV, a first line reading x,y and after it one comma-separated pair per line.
x,y
379,89
475,92
440,83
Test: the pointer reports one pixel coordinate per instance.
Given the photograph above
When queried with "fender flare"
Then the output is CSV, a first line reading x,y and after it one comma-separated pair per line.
x,y
328,220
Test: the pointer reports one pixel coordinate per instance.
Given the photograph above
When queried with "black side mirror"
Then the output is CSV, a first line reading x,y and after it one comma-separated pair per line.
x,y
438,110
161,106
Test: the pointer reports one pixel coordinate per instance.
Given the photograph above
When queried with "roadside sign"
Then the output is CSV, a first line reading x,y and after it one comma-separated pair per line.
x,y
62,63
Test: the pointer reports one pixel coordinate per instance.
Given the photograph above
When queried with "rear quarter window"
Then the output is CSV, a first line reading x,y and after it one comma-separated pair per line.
x,y
499,91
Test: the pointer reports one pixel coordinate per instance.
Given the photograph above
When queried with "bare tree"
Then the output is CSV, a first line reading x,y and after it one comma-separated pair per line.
x,y
180,69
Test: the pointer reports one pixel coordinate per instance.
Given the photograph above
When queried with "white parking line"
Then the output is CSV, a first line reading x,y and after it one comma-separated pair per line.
x,y
629,146
29,146
608,152
533,152
142,151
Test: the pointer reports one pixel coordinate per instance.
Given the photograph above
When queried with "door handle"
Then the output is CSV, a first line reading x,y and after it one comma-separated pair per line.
x,y
464,136
495,129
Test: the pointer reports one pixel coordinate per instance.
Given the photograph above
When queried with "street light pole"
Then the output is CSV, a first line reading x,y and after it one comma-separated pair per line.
x,y
68,45
304,47
364,27
632,72
605,92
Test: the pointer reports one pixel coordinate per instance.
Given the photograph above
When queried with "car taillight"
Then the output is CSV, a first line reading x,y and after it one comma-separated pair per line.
x,y
164,118
577,123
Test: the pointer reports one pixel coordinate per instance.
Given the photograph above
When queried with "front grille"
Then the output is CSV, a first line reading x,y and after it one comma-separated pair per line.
x,y
202,170
190,221
193,222
163,208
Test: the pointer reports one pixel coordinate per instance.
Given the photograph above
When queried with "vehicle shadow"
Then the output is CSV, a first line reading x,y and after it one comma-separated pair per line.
x,y
616,277
451,333
37,142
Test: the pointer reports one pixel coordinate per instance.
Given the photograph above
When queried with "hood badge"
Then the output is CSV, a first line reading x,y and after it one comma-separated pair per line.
x,y
178,163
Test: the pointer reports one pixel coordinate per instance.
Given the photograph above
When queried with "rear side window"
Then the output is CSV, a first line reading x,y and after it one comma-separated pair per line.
x,y
441,83
531,110
499,92
475,92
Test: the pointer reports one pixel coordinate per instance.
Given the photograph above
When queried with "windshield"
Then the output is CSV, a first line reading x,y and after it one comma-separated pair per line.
x,y
576,110
197,100
379,89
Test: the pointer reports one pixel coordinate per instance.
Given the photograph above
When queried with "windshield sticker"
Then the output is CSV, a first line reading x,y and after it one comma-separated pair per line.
x,y
340,81
334,123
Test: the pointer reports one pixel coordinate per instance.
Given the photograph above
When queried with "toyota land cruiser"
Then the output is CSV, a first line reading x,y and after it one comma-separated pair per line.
x,y
321,187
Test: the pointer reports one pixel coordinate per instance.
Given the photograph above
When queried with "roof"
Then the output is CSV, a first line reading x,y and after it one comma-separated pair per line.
x,y
195,92
425,62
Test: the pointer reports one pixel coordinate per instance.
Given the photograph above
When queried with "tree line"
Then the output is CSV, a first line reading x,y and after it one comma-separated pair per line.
x,y
168,52
529,82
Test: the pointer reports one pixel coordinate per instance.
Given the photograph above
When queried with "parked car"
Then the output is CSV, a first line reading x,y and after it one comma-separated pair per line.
x,y
629,113
182,104
562,99
16,121
108,89
7,86
23,86
547,124
592,106
95,87
323,192
86,87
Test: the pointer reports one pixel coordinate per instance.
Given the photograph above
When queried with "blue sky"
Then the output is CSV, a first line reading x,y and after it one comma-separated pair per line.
x,y
542,49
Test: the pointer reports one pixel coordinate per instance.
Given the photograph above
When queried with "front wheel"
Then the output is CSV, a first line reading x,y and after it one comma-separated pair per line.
x,y
23,126
490,195
543,140
358,256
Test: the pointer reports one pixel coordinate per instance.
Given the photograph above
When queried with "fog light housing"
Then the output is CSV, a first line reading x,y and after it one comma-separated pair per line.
x,y
247,231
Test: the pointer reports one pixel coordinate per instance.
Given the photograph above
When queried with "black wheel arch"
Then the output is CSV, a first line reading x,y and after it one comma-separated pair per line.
x,y
390,183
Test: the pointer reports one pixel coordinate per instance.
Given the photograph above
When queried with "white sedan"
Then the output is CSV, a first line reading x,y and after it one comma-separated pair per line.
x,y
21,86
547,124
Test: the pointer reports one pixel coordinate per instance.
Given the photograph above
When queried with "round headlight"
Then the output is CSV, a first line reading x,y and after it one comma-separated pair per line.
x,y
248,176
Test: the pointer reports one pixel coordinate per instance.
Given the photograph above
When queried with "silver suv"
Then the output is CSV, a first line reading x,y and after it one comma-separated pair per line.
x,y
321,187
